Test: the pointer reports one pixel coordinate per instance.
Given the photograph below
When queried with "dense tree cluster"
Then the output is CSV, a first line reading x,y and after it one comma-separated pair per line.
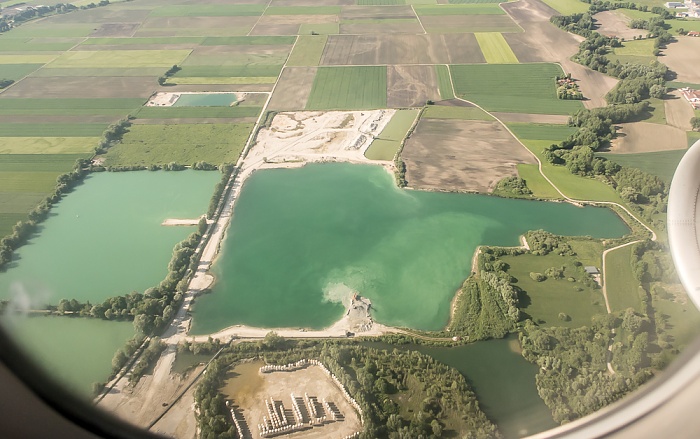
x,y
9,21
226,170
512,187
170,72
112,135
6,83
441,399
542,243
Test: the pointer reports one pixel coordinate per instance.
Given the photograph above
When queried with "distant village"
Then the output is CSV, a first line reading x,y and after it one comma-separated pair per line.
x,y
692,8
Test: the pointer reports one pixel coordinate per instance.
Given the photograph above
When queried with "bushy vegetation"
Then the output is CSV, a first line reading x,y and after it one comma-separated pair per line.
x,y
147,359
512,187
170,72
226,171
439,400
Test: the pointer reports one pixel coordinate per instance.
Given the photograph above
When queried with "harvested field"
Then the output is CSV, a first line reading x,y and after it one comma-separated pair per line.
x,y
683,58
276,29
456,155
534,91
222,71
293,89
44,29
411,86
349,28
678,111
302,10
401,49
543,42
463,9
437,24
210,10
495,48
48,145
348,88
532,118
376,12
249,41
289,24
204,25
85,87
116,30
237,56
122,58
647,137
313,2
615,24
319,29
249,389
307,51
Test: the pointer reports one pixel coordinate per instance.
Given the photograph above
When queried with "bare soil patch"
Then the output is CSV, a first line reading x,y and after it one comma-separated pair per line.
x,y
116,30
683,57
103,15
401,49
380,28
411,86
456,155
532,118
544,42
288,24
84,87
275,29
678,111
312,2
171,23
615,24
441,24
249,389
376,12
293,88
647,137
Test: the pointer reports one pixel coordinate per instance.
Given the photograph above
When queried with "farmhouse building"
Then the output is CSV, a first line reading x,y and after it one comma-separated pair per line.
x,y
591,270
675,5
694,33
692,96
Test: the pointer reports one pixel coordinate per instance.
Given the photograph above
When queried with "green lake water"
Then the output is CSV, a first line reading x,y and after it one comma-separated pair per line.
x,y
205,100
75,351
301,240
504,382
105,238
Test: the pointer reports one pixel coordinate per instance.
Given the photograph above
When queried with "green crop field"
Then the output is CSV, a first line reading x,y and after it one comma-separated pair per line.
x,y
588,251
39,162
28,181
462,113
567,7
693,136
120,58
53,30
203,10
17,71
307,51
302,10
574,186
51,129
513,88
68,106
184,143
677,85
387,144
221,80
444,82
536,182
249,41
249,71
622,287
472,9
636,48
495,48
319,28
348,88
47,145
137,41
662,164
28,45
380,2
469,2
21,58
541,131
195,112
553,296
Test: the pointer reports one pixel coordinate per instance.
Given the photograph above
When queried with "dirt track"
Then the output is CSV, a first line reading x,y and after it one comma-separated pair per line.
x,y
543,42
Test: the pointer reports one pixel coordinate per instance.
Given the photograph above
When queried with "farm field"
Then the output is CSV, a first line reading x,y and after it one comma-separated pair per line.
x,y
662,164
462,113
17,71
495,48
47,145
647,137
516,88
548,298
348,88
444,82
121,58
460,155
411,86
535,181
50,129
294,88
68,107
567,7
387,144
185,144
622,287
196,112
540,131
450,24
307,51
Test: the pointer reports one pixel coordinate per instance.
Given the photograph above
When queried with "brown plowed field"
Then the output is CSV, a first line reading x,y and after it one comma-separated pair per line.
x,y
380,28
401,49
683,57
246,23
457,155
678,111
116,30
376,12
84,87
648,137
275,29
101,15
614,24
445,24
544,42
312,2
293,88
411,86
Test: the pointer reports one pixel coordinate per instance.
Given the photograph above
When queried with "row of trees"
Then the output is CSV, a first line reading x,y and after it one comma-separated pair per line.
x,y
170,72
441,400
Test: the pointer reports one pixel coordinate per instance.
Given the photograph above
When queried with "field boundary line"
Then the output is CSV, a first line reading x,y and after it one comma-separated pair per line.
x,y
418,18
258,21
500,5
